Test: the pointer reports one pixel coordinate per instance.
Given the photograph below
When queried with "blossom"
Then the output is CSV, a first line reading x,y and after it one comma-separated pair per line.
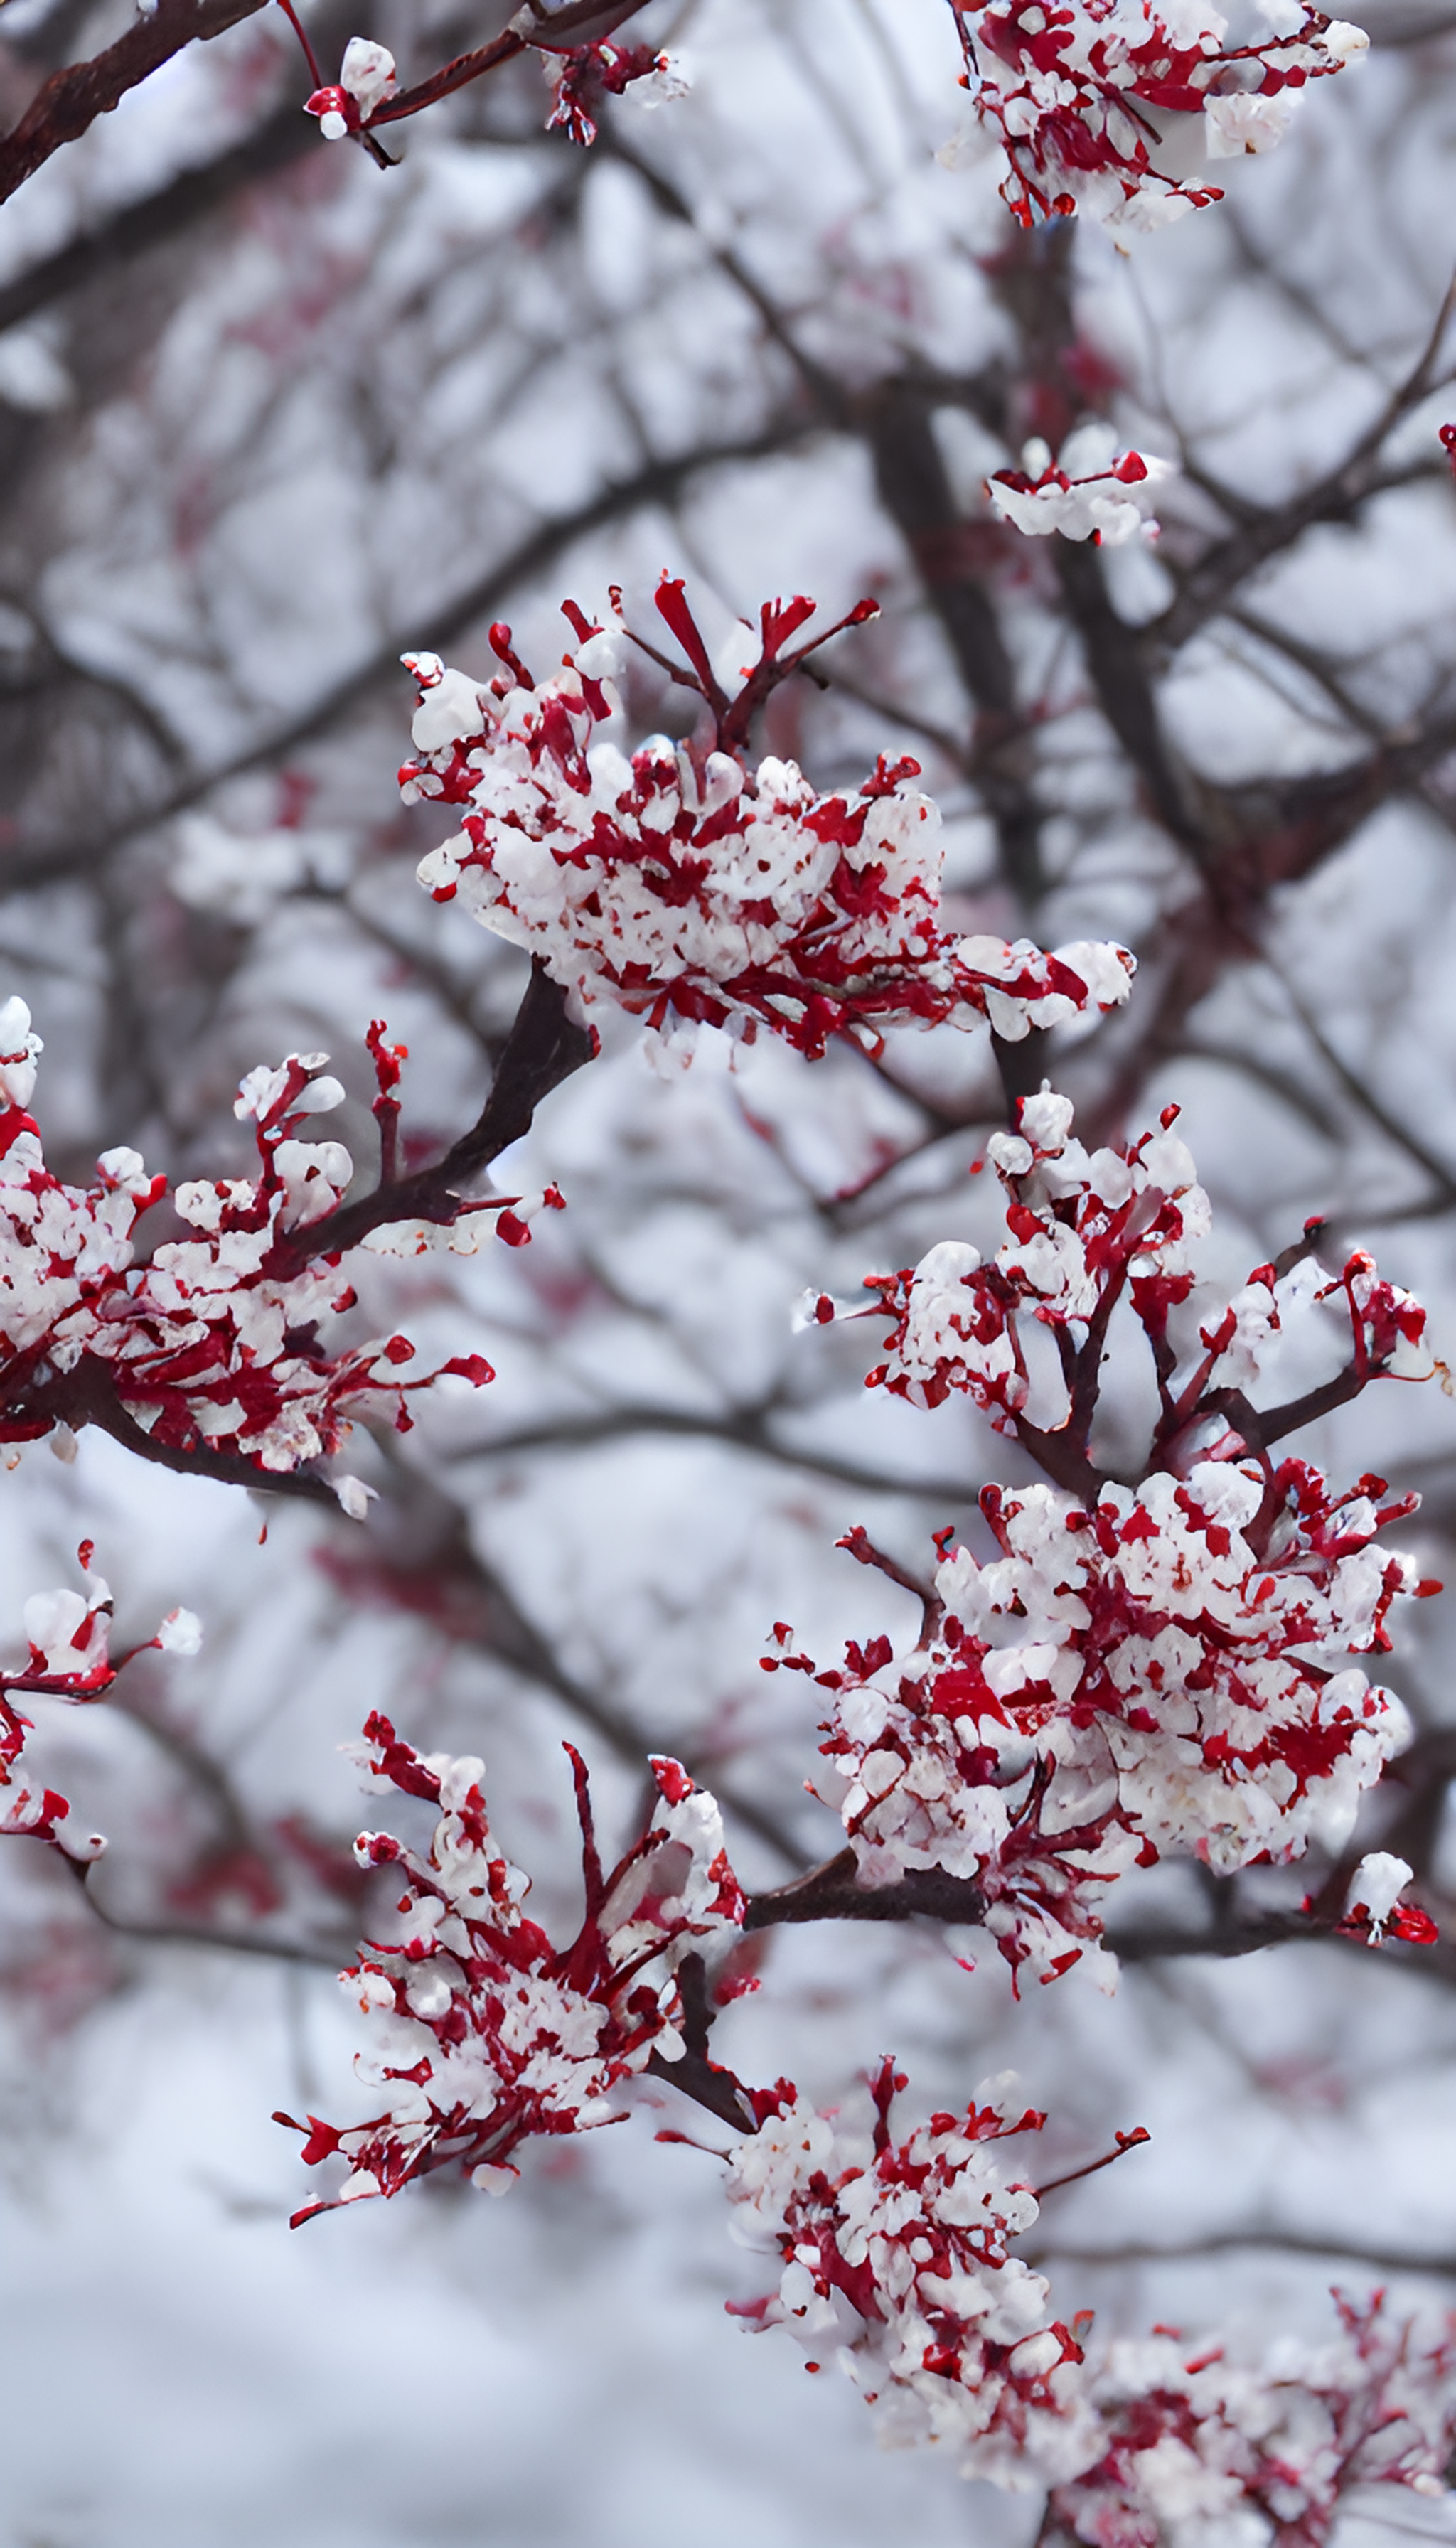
x,y
1090,100
485,2033
1125,1680
1142,1668
1107,503
1189,2436
211,1346
683,884
366,79
1373,1903
896,2263
67,1635
584,74
1086,1229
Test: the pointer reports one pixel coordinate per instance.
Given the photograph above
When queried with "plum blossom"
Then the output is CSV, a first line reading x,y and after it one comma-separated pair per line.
x,y
585,74
897,2266
1190,2440
897,2263
484,2034
1124,1681
1146,1669
1085,1230
1096,102
685,885
1092,492
210,1346
67,1635
366,80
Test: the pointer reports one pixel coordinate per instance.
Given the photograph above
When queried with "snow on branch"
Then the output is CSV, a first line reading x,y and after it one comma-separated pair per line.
x,y
683,884
208,1352
1109,107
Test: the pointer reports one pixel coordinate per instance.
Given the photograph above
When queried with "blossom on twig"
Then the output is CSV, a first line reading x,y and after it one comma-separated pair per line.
x,y
897,2266
485,2033
1190,2439
67,1634
1091,492
897,2263
1096,102
683,884
212,1346
1136,1672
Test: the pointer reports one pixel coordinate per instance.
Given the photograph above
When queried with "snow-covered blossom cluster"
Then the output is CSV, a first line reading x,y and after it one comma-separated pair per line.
x,y
896,2266
1189,2439
484,2033
1126,1680
1142,1668
897,2263
1090,491
581,76
211,1344
684,884
1086,1229
67,1634
1111,107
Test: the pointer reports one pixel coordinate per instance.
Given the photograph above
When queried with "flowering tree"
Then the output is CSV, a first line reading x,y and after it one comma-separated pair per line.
x,y
1093,1720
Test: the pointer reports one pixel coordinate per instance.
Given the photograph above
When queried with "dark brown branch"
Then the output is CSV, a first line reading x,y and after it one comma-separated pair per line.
x,y
915,489
71,101
544,1049
420,1557
833,1893
1332,497
715,2090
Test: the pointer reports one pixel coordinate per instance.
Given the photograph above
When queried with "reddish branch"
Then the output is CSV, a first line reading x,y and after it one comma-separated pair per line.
x,y
69,101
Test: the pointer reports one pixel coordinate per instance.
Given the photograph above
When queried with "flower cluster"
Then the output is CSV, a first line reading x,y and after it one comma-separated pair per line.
x,y
1124,1681
896,2263
1107,503
67,1634
212,1346
1188,2437
486,2034
586,73
684,884
1106,105
1085,1230
1139,1671
896,2266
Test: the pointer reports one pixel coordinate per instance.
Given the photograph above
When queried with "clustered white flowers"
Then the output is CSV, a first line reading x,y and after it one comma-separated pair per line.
x,y
211,1344
683,884
896,2266
67,1634
1191,2442
1108,107
896,2262
1125,1681
1142,1668
484,2033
